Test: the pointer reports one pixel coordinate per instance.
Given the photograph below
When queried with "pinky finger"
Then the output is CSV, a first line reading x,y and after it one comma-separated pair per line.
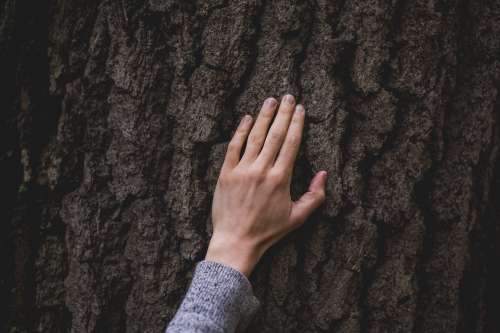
x,y
236,144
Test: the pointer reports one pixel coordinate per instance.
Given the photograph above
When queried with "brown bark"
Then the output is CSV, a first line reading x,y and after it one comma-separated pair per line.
x,y
116,115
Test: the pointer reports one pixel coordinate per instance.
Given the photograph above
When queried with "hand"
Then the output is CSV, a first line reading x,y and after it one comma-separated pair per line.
x,y
252,207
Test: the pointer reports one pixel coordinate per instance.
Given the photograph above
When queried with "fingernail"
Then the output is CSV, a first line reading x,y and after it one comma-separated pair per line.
x,y
247,118
270,102
300,109
289,99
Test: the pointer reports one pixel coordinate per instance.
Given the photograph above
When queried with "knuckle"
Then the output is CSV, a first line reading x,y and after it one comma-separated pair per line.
x,y
256,173
294,141
254,139
274,136
277,176
232,146
320,195
223,179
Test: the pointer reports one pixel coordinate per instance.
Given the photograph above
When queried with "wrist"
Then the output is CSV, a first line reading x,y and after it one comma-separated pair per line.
x,y
238,254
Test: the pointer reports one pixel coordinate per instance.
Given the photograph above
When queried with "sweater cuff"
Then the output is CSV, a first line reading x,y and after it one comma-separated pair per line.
x,y
221,294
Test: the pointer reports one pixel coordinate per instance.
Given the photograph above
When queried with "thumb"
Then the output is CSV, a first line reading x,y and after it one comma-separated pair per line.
x,y
309,201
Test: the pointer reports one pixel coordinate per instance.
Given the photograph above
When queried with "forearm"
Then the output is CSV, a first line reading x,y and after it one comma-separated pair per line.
x,y
219,299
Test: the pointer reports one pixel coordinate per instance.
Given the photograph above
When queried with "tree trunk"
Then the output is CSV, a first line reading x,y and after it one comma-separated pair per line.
x,y
115,119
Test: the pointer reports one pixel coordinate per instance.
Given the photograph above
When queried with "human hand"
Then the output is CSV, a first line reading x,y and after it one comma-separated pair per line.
x,y
252,206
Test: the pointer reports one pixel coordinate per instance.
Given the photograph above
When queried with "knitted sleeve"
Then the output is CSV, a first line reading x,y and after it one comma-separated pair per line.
x,y
219,299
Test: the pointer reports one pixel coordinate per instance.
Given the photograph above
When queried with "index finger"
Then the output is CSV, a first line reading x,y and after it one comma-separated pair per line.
x,y
290,148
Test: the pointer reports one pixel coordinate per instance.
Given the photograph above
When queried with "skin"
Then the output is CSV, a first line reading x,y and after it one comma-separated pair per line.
x,y
252,207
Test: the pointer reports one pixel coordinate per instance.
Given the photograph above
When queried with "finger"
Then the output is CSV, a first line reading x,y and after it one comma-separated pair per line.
x,y
236,143
309,201
259,130
277,132
288,153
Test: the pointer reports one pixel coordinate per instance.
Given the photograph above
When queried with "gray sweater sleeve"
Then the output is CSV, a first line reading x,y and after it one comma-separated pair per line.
x,y
219,299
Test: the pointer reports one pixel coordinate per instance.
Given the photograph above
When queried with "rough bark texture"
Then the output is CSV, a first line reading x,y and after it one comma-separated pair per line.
x,y
115,118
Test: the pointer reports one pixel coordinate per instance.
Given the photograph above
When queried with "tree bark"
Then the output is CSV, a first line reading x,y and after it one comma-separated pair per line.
x,y
115,119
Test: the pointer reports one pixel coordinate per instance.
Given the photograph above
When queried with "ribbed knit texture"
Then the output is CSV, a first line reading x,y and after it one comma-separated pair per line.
x,y
219,299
